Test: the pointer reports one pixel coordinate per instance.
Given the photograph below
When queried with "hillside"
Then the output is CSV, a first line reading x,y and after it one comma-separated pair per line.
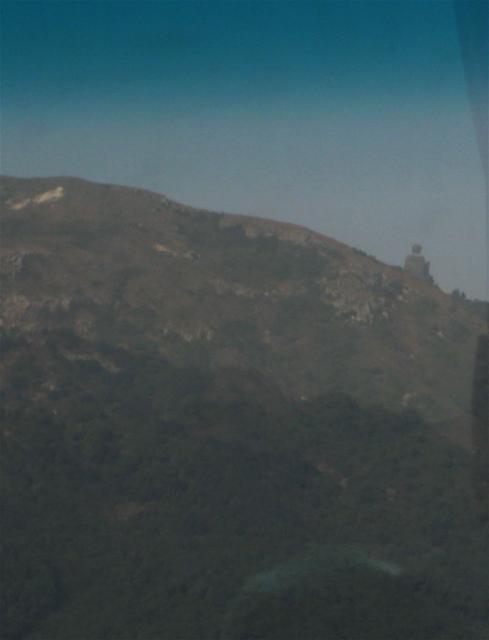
x,y
219,427
136,271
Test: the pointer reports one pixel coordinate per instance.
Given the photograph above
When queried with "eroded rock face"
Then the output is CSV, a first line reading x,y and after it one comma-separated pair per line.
x,y
175,252
12,262
46,197
23,313
190,333
14,309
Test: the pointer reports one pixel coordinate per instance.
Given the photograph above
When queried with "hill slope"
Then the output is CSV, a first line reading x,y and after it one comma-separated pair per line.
x,y
134,270
207,432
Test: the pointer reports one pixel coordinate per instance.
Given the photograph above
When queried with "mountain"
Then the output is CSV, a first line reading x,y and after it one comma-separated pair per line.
x,y
216,426
133,270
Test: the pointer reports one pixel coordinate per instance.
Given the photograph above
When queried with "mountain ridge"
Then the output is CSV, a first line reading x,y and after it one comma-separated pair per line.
x,y
178,276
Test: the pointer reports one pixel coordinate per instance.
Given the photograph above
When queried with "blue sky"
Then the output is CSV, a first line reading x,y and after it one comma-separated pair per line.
x,y
348,117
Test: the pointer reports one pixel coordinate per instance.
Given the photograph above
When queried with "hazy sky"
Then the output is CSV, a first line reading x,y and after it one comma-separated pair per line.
x,y
347,117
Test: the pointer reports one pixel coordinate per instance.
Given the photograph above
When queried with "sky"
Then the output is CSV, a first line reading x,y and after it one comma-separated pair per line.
x,y
349,117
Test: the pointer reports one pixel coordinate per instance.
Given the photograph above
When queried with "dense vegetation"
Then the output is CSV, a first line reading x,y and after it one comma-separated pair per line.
x,y
154,502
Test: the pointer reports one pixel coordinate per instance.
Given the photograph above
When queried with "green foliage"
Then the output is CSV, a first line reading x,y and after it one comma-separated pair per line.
x,y
459,331
159,502
425,306
279,260
79,234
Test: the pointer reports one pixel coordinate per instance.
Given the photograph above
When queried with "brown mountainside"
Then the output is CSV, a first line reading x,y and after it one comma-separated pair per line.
x,y
131,269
